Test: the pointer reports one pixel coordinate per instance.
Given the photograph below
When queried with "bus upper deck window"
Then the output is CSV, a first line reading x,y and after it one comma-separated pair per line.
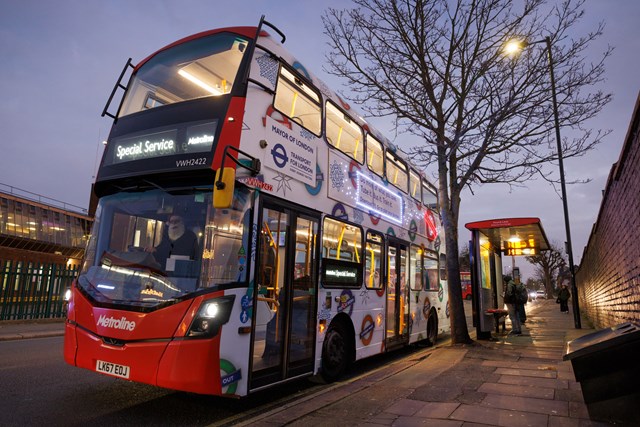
x,y
397,172
375,155
298,101
198,68
429,195
414,185
344,134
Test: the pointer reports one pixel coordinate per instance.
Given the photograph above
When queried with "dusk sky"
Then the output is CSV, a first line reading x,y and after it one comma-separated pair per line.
x,y
60,61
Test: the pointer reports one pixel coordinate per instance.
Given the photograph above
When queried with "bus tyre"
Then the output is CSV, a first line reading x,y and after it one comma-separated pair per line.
x,y
432,329
335,352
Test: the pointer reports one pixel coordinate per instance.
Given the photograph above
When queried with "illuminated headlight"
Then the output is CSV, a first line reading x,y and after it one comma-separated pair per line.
x,y
211,309
67,295
212,314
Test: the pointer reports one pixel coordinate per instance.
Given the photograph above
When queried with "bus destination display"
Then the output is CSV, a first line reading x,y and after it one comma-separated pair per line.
x,y
196,138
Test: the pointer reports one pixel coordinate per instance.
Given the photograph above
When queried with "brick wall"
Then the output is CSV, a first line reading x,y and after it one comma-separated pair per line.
x,y
608,279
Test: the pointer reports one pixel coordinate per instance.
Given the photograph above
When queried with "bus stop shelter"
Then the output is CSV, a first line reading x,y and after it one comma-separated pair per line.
x,y
490,240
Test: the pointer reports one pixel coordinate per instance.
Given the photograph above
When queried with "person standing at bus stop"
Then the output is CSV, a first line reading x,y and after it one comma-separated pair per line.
x,y
522,296
510,301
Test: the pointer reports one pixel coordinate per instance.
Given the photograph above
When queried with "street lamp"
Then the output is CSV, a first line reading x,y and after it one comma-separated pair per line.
x,y
511,48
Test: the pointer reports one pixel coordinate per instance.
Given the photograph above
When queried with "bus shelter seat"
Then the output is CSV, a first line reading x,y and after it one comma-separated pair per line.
x,y
499,317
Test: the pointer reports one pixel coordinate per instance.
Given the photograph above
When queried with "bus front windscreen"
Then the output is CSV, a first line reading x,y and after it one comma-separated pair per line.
x,y
206,66
152,247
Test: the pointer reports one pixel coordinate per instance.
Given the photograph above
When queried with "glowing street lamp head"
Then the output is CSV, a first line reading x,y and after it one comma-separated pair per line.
x,y
514,47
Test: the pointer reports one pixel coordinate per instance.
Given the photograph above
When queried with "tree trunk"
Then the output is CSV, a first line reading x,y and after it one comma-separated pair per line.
x,y
449,208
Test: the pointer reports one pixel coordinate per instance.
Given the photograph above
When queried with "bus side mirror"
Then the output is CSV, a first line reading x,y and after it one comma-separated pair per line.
x,y
223,188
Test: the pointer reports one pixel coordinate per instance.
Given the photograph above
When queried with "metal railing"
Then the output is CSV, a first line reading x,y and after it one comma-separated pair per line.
x,y
35,197
32,290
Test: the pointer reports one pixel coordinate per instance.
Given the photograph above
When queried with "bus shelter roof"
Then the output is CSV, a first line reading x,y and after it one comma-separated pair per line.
x,y
505,232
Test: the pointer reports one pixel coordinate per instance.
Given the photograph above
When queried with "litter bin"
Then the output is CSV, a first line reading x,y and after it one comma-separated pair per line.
x,y
606,365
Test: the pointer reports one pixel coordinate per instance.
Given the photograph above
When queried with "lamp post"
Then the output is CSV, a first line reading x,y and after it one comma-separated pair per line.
x,y
515,47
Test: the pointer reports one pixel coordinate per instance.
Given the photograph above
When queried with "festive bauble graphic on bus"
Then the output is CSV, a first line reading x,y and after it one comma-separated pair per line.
x,y
413,229
440,292
344,104
366,330
390,232
432,228
426,307
229,377
319,178
345,302
340,212
277,116
354,168
300,68
374,217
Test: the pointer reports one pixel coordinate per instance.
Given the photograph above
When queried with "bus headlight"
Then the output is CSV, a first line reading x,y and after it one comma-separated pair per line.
x,y
212,314
67,295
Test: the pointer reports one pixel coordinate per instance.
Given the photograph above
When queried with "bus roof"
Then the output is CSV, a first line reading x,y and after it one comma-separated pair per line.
x,y
249,32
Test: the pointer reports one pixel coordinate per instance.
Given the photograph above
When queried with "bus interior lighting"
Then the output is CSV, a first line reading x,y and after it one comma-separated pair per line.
x,y
193,79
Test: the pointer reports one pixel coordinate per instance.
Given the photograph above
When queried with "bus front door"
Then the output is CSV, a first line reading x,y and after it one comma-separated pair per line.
x,y
285,303
397,316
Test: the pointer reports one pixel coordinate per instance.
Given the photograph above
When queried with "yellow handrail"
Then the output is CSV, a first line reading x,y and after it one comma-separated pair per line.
x,y
340,241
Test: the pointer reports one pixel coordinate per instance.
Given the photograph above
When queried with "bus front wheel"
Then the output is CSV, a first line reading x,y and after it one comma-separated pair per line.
x,y
335,352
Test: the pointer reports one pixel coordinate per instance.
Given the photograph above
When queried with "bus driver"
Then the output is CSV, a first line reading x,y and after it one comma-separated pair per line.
x,y
177,241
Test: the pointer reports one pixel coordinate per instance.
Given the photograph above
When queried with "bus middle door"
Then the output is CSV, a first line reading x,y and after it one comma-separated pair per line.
x,y
397,315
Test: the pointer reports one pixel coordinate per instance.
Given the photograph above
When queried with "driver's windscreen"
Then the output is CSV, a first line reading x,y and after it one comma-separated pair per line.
x,y
153,246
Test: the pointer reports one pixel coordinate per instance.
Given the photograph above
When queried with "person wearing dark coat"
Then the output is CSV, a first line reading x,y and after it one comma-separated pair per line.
x,y
563,299
176,241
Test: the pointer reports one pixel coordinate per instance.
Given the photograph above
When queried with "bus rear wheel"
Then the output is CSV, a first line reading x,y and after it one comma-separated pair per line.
x,y
432,330
335,353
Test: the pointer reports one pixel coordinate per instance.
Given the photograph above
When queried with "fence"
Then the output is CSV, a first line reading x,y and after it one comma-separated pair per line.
x,y
33,291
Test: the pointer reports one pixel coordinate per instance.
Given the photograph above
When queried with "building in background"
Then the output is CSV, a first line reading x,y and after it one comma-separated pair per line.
x,y
38,229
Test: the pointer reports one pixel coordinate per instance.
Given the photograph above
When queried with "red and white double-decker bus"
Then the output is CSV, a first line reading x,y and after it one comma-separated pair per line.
x,y
251,227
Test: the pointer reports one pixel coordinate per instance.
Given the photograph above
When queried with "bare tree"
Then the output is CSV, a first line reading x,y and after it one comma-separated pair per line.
x,y
436,68
464,261
548,263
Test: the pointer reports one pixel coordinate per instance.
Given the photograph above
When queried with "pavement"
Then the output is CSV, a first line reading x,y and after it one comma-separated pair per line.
x,y
508,381
25,329
512,381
